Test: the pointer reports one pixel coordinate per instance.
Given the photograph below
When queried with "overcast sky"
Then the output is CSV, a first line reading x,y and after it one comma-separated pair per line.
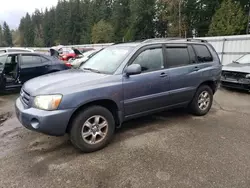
x,y
11,11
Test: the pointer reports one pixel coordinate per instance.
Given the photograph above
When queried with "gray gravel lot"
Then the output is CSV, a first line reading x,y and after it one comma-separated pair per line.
x,y
170,149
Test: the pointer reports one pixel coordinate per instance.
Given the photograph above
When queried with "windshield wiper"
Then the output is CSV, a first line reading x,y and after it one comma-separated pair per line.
x,y
92,70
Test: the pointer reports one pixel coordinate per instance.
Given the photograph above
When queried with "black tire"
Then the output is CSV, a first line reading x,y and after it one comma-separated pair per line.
x,y
75,132
194,105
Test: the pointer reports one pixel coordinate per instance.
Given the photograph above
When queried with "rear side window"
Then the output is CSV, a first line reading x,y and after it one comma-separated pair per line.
x,y
202,53
43,59
30,59
177,56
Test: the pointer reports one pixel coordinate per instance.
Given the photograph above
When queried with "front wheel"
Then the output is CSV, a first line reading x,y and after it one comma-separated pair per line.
x,y
92,129
202,101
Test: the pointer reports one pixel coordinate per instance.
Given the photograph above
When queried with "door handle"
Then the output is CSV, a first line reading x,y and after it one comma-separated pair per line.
x,y
163,74
196,69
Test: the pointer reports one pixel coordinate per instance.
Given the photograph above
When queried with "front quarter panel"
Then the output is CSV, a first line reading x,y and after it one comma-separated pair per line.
x,y
105,90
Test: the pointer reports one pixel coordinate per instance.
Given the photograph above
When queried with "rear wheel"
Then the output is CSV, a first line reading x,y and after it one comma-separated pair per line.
x,y
202,101
92,129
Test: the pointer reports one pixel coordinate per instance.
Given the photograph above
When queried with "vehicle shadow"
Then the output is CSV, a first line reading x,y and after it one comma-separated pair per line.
x,y
150,123
10,92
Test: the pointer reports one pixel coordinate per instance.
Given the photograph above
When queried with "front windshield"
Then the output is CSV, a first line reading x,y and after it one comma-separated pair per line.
x,y
244,59
107,60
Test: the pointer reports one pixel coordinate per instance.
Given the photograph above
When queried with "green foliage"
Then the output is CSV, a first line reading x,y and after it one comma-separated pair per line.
x,y
102,32
78,21
141,19
228,20
7,36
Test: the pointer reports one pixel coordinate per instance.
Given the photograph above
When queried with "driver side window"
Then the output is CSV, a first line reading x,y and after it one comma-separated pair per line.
x,y
150,60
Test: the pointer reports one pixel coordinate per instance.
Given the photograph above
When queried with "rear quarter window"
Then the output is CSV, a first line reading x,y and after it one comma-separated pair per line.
x,y
203,54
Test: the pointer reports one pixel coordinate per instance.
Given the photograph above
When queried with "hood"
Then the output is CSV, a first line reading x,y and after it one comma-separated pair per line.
x,y
236,67
62,82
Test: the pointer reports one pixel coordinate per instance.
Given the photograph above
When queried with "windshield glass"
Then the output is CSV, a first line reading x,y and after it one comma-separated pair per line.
x,y
108,60
244,59
87,54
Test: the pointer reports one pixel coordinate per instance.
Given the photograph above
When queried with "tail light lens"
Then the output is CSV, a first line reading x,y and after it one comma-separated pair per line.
x,y
68,64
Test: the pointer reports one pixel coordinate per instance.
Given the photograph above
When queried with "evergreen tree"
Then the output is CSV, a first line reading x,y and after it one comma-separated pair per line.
x,y
49,27
37,18
120,19
102,32
28,31
228,20
141,19
7,36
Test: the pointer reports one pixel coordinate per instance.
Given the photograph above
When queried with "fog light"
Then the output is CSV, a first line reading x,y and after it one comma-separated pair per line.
x,y
34,123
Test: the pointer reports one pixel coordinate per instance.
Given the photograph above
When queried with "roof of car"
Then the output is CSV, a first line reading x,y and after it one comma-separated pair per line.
x,y
9,53
161,40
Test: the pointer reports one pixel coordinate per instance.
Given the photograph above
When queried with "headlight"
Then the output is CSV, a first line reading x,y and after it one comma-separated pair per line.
x,y
64,56
47,102
248,76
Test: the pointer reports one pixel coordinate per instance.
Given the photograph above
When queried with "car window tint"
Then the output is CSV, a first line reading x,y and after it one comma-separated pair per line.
x,y
28,59
177,56
203,54
150,60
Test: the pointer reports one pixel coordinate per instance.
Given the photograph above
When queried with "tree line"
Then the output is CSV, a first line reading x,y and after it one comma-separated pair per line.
x,y
101,21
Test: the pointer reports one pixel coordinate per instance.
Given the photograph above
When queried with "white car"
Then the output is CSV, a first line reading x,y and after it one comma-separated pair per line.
x,y
9,50
79,61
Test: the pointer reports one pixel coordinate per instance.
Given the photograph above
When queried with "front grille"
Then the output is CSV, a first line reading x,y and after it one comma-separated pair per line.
x,y
233,75
25,97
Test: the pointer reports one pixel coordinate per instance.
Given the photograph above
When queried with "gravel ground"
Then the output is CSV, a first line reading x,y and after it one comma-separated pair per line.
x,y
170,149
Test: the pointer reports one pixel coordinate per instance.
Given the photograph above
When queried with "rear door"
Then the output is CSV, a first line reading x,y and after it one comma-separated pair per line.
x,y
31,66
184,73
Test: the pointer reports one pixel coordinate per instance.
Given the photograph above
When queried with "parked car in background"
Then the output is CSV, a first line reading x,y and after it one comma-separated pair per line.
x,y
17,68
119,83
85,56
237,74
66,53
9,50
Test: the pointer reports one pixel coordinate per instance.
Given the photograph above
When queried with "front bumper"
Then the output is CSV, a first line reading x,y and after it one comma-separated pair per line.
x,y
48,122
236,84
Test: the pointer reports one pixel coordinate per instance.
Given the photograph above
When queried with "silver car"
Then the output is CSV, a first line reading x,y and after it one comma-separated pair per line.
x,y
237,74
79,61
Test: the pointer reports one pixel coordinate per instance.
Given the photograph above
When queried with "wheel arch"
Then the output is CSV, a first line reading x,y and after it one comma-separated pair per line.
x,y
106,103
211,83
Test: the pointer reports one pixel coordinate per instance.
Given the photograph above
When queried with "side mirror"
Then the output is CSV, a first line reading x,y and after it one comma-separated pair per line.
x,y
133,69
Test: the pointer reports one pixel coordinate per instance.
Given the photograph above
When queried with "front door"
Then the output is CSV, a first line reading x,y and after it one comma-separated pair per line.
x,y
146,92
31,67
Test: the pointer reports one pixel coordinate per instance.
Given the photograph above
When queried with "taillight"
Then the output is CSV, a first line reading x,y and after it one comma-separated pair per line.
x,y
68,64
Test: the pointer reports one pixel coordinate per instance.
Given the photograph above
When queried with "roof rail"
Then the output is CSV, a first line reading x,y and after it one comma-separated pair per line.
x,y
161,39
196,40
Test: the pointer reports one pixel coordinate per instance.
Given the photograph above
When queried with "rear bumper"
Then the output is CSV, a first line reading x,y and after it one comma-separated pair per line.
x,y
48,122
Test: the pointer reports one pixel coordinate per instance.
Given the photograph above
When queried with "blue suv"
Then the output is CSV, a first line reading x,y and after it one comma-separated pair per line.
x,y
119,83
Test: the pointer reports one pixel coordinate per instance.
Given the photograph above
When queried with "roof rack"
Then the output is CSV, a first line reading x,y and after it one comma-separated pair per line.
x,y
161,39
196,40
